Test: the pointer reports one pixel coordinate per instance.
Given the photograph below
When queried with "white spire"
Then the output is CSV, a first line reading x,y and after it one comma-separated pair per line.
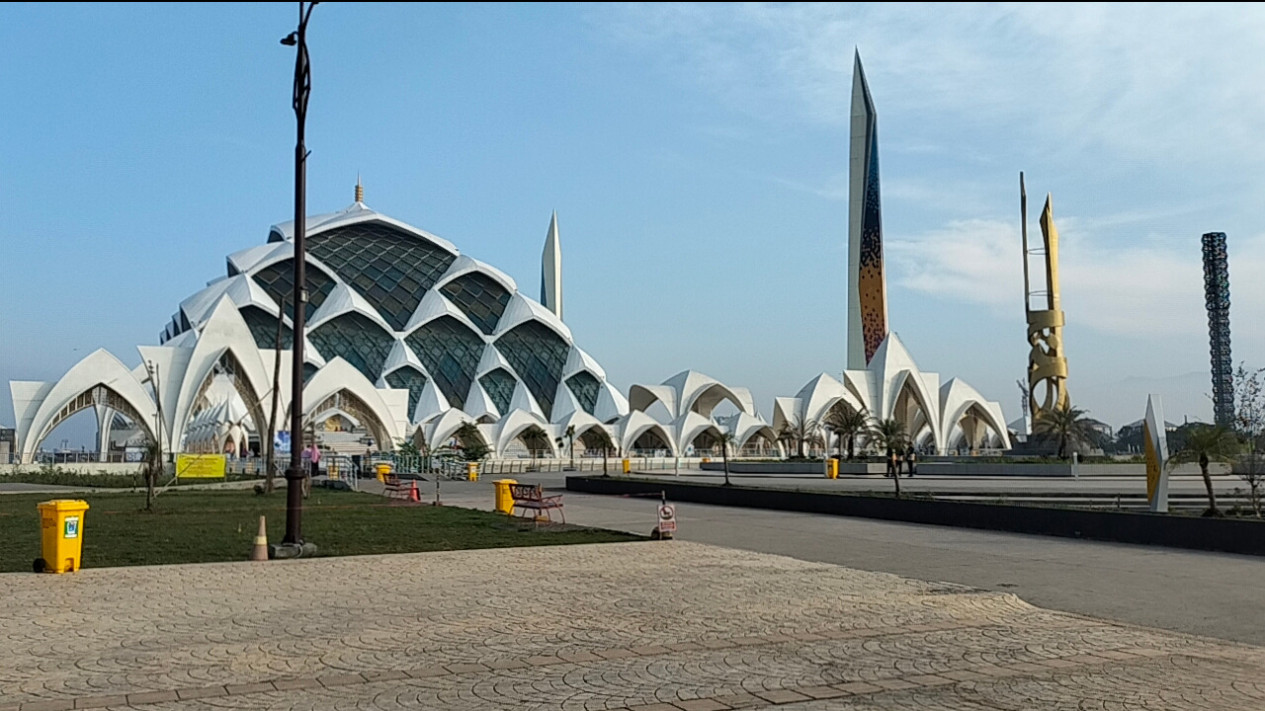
x,y
551,270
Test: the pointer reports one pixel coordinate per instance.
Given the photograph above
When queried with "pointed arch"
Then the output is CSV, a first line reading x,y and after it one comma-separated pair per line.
x,y
98,379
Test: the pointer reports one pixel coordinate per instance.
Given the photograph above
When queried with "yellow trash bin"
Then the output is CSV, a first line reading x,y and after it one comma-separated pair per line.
x,y
472,471
627,466
61,529
504,499
832,468
383,470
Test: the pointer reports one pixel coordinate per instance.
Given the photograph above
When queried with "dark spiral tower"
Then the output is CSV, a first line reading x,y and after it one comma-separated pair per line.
x,y
1217,299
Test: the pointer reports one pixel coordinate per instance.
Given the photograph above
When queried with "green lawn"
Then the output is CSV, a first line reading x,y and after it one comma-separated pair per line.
x,y
210,526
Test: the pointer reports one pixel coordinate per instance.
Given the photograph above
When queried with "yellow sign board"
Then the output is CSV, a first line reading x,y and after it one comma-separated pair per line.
x,y
200,466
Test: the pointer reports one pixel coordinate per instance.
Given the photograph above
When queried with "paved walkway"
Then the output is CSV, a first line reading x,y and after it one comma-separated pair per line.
x,y
1196,592
665,626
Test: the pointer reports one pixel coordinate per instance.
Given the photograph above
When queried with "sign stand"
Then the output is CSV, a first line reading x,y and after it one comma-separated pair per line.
x,y
667,518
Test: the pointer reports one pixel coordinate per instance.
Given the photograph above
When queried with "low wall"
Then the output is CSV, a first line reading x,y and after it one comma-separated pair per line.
x,y
801,468
960,468
1228,535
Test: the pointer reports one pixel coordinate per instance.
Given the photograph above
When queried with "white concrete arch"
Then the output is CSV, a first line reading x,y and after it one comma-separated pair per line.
x,y
642,397
339,376
515,424
445,426
638,423
98,379
690,427
225,339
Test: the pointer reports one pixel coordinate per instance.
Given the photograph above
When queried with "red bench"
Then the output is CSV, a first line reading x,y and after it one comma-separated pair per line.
x,y
530,497
398,490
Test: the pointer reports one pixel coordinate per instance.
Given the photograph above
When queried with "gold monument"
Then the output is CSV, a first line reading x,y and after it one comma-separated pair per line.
x,y
1046,363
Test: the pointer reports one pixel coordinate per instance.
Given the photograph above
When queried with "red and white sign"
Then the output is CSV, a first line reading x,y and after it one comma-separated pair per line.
x,y
667,518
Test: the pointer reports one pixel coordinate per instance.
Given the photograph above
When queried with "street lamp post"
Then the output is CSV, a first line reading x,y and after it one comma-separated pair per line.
x,y
302,89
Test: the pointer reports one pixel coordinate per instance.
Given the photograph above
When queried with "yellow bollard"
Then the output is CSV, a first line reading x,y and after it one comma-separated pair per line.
x,y
383,470
627,466
832,468
472,471
61,529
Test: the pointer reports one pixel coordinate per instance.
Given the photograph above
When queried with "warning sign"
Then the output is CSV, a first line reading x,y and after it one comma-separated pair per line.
x,y
667,518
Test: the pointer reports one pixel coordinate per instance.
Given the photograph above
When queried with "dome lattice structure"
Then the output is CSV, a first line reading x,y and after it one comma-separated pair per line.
x,y
404,333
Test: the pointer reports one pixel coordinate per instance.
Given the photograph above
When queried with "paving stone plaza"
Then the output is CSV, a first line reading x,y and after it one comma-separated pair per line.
x,y
663,626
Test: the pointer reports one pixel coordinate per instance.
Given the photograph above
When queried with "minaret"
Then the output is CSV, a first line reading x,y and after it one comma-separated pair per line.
x,y
551,270
360,191
867,280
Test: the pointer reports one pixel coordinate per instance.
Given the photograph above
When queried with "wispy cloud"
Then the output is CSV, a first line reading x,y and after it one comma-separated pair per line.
x,y
1142,81
1149,292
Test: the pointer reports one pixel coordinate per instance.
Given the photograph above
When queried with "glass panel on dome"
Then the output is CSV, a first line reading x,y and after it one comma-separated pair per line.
x,y
263,326
278,280
308,371
480,297
538,355
413,380
585,386
499,385
358,340
388,266
450,351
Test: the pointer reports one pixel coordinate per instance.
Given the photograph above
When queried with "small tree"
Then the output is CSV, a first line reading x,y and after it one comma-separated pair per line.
x,y
153,469
1249,420
725,439
892,437
847,424
473,448
1066,425
270,444
1210,443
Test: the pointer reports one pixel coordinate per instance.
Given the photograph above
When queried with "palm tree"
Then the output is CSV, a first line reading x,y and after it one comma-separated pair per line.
x,y
801,430
1207,444
892,437
725,439
536,440
570,438
1067,425
847,424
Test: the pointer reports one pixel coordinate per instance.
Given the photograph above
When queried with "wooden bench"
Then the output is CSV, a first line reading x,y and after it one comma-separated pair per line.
x,y
530,497
398,490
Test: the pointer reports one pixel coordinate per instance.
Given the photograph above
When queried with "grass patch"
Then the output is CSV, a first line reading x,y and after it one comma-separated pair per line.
x,y
215,526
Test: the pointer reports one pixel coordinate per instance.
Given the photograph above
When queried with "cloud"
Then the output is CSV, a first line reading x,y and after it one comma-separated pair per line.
x,y
1150,291
1147,82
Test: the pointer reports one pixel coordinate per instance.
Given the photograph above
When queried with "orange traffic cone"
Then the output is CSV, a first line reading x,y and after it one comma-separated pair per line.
x,y
414,495
260,551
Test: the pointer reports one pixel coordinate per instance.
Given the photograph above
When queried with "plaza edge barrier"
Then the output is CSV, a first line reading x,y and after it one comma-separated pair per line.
x,y
1210,534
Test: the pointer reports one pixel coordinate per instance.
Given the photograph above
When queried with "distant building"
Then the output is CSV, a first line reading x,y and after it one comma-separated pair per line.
x,y
7,436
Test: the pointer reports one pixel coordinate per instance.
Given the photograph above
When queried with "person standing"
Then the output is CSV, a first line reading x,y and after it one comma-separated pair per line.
x,y
315,458
911,461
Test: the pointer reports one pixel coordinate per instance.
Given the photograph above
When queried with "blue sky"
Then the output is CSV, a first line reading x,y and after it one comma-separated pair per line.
x,y
697,159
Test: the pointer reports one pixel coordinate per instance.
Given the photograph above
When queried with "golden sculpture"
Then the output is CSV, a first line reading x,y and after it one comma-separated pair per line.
x,y
1047,366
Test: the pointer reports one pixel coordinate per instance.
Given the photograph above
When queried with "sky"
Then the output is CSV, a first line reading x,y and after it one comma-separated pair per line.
x,y
697,158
